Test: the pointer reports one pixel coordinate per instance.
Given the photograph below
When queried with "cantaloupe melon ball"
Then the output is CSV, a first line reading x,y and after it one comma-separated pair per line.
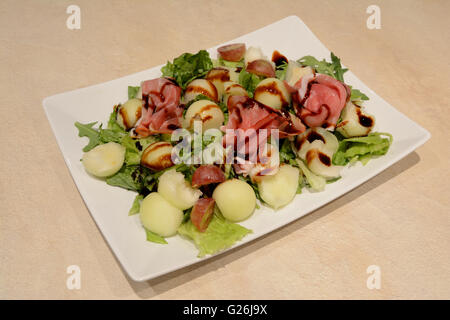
x,y
159,216
235,199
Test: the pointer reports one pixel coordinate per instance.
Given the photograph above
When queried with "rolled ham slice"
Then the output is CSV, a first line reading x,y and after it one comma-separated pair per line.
x,y
162,112
320,100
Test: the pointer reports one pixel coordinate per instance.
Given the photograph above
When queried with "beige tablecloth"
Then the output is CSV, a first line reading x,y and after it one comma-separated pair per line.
x,y
398,221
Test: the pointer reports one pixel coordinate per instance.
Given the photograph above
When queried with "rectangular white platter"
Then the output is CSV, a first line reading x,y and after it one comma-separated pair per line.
x,y
109,206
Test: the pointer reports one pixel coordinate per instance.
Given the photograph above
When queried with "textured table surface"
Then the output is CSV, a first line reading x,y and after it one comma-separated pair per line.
x,y
398,221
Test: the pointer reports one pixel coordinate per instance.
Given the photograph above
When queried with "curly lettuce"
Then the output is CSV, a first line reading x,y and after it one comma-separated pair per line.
x,y
362,148
188,67
220,235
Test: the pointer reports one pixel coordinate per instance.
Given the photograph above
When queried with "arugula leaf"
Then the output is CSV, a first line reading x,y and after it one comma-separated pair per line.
x,y
153,237
87,130
220,234
333,68
338,70
362,148
358,95
115,132
320,66
249,81
188,67
136,207
132,92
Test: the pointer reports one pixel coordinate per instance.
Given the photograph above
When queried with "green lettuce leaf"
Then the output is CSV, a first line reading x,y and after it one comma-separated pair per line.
x,y
132,92
133,152
301,182
286,153
280,71
112,122
220,234
156,238
249,81
134,178
362,148
188,67
231,64
87,130
317,183
108,135
136,207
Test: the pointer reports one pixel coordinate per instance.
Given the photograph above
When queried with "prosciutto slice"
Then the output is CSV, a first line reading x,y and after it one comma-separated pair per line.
x,y
243,131
320,100
162,112
246,113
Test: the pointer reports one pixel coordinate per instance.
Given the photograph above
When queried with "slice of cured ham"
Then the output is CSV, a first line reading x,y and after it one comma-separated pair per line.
x,y
162,112
243,131
320,100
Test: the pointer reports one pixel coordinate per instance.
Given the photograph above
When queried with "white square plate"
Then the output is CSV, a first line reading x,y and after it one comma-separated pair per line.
x,y
109,206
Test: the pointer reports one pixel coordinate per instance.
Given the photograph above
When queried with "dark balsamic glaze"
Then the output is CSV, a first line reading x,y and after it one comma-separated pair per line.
x,y
325,159
278,58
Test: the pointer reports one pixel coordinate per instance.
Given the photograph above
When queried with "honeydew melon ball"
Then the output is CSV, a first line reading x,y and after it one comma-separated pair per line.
x,y
235,199
104,160
273,93
279,189
175,189
159,216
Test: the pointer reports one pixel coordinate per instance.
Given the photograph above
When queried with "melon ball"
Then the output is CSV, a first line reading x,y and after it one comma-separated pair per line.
x,y
273,93
235,199
159,216
104,160
200,86
279,189
129,113
175,189
208,112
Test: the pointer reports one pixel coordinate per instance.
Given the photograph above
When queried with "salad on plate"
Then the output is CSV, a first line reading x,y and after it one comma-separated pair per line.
x,y
212,140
